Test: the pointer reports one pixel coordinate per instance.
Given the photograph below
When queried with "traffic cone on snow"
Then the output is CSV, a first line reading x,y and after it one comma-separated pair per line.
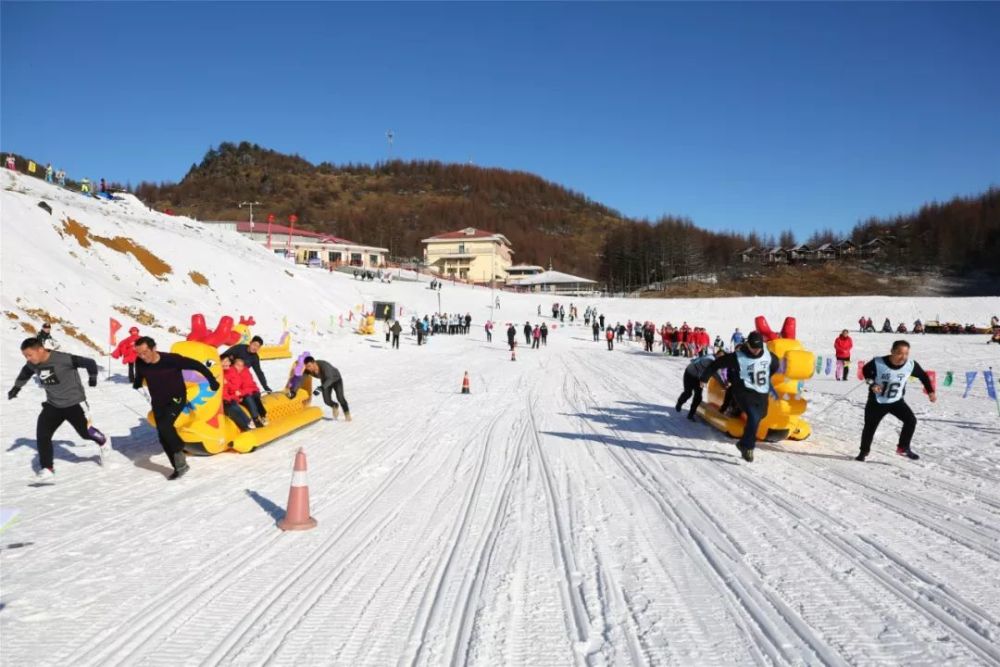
x,y
465,383
297,515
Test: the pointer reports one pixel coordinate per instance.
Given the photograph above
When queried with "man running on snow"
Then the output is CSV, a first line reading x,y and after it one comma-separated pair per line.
x,y
64,394
163,373
692,383
749,370
886,378
331,382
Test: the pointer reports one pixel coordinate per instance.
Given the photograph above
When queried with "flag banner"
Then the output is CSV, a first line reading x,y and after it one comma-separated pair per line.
x,y
861,374
970,377
991,389
829,366
284,322
115,325
819,364
31,166
949,377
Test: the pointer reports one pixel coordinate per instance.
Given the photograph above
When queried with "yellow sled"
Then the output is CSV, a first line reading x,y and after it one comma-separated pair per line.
x,y
366,326
204,426
282,350
785,406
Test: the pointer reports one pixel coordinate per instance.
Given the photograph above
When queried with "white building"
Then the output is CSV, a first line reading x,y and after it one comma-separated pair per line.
x,y
555,282
309,247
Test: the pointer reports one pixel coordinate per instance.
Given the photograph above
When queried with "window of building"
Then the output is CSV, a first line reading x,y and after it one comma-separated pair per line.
x,y
373,260
356,259
461,248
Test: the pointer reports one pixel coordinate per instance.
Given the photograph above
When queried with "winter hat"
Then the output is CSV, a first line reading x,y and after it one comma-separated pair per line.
x,y
755,339
133,330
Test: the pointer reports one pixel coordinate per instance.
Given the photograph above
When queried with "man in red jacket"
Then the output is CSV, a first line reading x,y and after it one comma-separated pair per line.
x,y
126,350
842,345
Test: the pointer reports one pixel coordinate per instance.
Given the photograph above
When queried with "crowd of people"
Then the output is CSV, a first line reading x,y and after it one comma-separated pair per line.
x,y
57,176
439,323
866,325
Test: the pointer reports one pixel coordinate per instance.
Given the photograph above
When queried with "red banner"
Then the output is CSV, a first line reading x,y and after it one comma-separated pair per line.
x,y
115,325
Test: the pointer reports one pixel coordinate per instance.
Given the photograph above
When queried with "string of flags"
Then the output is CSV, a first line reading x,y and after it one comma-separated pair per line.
x,y
827,366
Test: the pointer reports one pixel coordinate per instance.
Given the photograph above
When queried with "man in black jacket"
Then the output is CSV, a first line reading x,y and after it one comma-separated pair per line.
x,y
886,378
527,334
396,329
64,395
163,373
248,353
748,370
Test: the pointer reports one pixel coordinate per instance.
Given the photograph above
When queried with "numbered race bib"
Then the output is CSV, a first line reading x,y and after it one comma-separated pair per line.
x,y
891,380
755,372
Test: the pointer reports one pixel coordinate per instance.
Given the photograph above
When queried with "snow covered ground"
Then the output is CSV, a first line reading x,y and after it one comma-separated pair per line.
x,y
560,514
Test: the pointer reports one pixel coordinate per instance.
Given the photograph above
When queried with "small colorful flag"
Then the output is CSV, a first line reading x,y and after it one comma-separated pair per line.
x,y
829,366
819,364
284,322
970,377
31,166
949,377
861,371
991,389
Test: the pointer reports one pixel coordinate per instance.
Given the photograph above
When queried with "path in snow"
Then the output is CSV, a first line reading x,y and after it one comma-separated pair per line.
x,y
562,513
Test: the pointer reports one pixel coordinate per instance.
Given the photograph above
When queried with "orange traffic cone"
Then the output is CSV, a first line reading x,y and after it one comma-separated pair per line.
x,y
297,515
465,383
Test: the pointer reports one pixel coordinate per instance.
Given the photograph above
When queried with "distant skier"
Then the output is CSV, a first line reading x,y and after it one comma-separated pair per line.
x,y
886,378
396,329
48,173
527,333
331,383
842,345
44,335
163,373
692,383
610,336
597,331
545,334
64,394
736,340
749,370
536,337
511,337
601,320
498,303
248,353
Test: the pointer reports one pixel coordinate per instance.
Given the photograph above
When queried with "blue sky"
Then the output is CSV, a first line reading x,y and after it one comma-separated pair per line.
x,y
741,116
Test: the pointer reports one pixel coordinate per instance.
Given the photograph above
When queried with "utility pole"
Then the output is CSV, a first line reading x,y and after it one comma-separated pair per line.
x,y
389,137
251,204
493,280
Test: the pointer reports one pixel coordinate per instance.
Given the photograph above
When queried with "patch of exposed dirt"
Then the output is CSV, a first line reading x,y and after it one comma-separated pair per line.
x,y
67,327
137,315
156,266
199,279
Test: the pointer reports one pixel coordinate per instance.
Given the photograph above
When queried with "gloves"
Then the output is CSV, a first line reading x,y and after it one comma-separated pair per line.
x,y
92,382
12,393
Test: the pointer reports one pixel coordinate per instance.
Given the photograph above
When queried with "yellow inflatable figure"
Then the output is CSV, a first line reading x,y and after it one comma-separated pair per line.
x,y
283,350
203,426
785,405
366,326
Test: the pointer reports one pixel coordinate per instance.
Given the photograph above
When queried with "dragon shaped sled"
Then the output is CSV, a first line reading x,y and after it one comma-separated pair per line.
x,y
204,426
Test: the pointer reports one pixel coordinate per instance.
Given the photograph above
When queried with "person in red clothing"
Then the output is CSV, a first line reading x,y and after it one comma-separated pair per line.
x,y
231,395
249,394
842,345
685,338
126,351
610,335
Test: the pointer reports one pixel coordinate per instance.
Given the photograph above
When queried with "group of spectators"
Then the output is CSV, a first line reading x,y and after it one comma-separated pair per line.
x,y
441,323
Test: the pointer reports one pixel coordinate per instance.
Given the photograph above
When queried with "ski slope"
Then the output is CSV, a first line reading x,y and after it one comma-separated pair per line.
x,y
561,514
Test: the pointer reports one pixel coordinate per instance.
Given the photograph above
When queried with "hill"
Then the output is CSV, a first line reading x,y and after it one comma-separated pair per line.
x,y
395,204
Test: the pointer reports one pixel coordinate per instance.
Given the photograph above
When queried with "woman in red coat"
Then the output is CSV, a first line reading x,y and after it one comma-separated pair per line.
x,y
842,345
126,350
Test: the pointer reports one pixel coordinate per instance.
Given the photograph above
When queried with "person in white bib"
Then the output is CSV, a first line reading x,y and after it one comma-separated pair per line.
x,y
749,370
886,378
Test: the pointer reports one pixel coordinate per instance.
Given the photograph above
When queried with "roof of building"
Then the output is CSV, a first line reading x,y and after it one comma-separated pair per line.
x,y
525,267
553,278
282,230
468,233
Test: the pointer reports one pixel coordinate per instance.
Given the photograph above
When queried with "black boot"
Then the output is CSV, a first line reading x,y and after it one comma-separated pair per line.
x,y
179,461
